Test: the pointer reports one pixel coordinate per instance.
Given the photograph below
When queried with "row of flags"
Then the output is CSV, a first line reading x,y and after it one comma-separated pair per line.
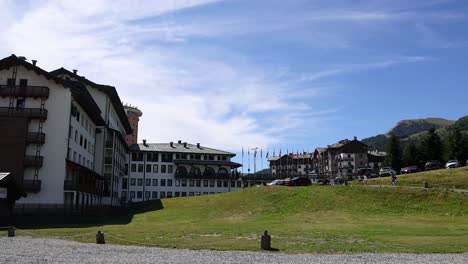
x,y
255,153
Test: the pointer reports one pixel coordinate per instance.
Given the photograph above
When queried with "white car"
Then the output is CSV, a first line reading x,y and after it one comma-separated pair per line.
x,y
452,164
387,171
276,182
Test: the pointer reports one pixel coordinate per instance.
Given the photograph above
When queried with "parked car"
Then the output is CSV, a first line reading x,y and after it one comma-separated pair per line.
x,y
452,164
276,182
409,169
432,165
299,181
386,171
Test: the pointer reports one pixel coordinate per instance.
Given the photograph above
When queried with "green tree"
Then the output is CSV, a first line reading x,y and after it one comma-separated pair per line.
x,y
393,158
456,145
411,155
432,146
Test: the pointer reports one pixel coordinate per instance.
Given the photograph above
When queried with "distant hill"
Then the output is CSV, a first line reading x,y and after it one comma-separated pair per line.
x,y
414,130
407,128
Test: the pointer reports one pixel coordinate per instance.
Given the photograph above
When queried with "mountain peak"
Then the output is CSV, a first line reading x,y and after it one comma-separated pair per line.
x,y
409,127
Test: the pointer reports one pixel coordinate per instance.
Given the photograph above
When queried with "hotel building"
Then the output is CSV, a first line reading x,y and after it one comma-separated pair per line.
x,y
164,170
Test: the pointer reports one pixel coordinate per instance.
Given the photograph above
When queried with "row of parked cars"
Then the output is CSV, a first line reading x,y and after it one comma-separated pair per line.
x,y
430,165
296,181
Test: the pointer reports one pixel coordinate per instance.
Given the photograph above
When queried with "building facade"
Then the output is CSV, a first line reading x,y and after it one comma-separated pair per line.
x,y
174,169
291,165
47,135
111,149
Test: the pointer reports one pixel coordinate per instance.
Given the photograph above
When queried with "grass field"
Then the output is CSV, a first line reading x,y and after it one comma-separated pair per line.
x,y
443,178
326,219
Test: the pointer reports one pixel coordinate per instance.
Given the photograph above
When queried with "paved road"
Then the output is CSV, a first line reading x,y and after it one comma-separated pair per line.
x,y
29,250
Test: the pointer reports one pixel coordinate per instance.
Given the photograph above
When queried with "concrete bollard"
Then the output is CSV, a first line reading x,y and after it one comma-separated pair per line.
x,y
265,242
100,238
426,184
11,232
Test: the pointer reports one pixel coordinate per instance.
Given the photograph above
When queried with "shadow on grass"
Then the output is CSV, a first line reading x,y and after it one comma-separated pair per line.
x,y
92,217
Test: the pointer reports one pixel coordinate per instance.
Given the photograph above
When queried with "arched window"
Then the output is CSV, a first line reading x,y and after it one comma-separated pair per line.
x,y
209,171
195,171
223,171
181,171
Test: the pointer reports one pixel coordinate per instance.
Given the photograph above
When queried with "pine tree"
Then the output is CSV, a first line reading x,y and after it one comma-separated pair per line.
x,y
432,146
412,155
456,145
393,158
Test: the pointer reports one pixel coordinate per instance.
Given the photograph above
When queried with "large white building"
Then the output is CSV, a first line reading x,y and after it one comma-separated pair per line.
x,y
175,169
48,136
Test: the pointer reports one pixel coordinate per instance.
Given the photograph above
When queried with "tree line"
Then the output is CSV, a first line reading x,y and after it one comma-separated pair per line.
x,y
431,147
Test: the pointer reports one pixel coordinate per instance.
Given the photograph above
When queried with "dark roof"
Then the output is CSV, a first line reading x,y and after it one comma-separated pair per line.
x,y
178,148
79,92
11,61
107,89
84,98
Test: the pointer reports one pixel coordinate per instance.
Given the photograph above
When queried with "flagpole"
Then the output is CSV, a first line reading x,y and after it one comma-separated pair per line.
x,y
242,160
248,154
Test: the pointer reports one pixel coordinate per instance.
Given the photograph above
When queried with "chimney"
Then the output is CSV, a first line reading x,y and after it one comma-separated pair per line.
x,y
144,143
355,138
34,62
75,71
198,145
172,144
179,141
185,144
22,58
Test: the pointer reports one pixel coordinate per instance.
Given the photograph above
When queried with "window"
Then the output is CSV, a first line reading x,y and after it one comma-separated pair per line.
x,y
163,195
155,182
190,194
163,182
85,143
152,156
211,183
166,157
177,194
74,156
184,194
205,183
20,102
133,167
148,182
154,195
77,115
239,184
205,193
169,168
198,183
169,194
147,194
148,167
191,183
137,156
223,158
81,140
140,167
155,168
226,184
140,182
76,136
132,182
184,183
132,194
169,182
139,194
11,82
23,83
219,183
163,168
124,195
177,183
210,157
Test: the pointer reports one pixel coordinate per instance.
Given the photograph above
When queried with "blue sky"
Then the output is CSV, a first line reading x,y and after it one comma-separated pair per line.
x,y
272,74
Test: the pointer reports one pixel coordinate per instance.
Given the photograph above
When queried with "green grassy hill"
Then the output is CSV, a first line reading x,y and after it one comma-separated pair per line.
x,y
325,219
443,178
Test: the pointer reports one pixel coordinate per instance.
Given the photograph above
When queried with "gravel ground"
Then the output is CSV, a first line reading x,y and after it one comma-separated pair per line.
x,y
34,250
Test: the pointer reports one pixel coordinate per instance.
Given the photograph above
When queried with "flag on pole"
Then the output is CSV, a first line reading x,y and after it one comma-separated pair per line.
x,y
267,154
261,153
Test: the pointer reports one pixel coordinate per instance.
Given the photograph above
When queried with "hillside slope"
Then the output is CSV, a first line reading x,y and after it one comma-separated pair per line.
x,y
325,219
405,128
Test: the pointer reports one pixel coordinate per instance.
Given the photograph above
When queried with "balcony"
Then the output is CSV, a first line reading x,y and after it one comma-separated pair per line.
x,y
206,176
24,91
33,113
35,138
33,161
345,159
32,185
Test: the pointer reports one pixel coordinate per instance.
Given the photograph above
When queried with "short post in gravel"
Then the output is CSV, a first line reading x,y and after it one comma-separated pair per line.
x,y
265,242
11,232
100,238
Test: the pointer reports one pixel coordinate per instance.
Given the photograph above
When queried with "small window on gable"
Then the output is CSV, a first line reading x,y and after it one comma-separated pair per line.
x,y
23,82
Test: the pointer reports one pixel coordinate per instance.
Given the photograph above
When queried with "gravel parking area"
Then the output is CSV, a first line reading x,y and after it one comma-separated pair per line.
x,y
34,250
